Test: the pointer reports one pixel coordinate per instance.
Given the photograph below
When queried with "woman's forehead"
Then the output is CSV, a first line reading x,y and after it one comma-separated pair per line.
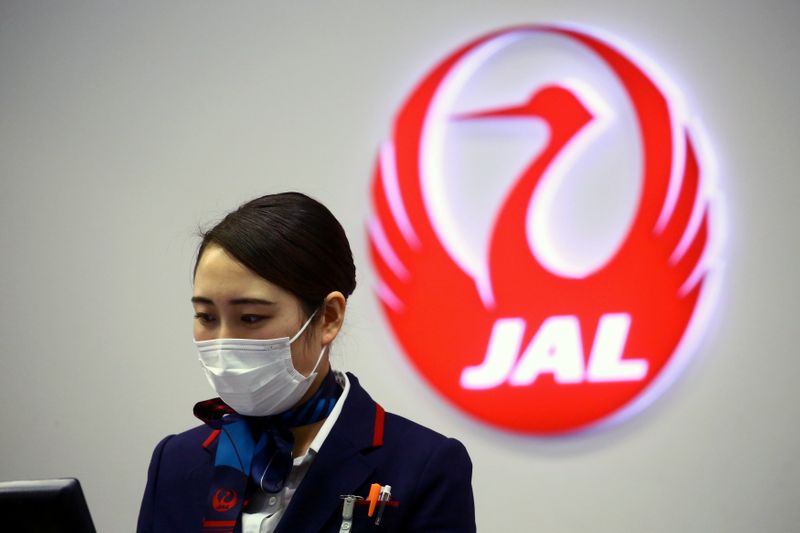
x,y
219,275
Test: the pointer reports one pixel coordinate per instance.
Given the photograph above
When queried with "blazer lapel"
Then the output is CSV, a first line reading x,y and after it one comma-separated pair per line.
x,y
339,468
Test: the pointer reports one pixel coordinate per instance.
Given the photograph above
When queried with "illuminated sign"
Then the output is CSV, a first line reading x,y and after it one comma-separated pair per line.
x,y
544,229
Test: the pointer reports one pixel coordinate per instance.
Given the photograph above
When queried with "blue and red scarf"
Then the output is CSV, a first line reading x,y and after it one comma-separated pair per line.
x,y
254,453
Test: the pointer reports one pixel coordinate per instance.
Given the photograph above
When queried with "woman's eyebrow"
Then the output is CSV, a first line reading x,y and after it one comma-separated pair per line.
x,y
244,301
235,301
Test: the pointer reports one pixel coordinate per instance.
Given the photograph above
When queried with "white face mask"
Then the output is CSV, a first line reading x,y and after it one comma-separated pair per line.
x,y
256,377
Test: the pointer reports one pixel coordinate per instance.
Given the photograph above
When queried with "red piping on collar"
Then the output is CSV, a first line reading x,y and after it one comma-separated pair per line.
x,y
211,438
377,434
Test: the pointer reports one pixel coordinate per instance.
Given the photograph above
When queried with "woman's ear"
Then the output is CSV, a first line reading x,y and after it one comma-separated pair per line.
x,y
332,316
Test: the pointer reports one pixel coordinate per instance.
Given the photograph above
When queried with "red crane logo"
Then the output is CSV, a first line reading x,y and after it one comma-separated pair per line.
x,y
224,500
518,342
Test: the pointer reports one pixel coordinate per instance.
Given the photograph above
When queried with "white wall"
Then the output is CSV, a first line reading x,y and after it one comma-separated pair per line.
x,y
124,125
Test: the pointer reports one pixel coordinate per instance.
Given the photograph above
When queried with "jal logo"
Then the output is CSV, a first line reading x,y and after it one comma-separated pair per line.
x,y
224,500
545,229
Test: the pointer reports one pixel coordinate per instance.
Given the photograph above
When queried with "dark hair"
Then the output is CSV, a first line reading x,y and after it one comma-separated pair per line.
x,y
290,240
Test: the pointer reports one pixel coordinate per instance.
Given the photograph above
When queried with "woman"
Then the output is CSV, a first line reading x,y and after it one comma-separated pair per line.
x,y
289,438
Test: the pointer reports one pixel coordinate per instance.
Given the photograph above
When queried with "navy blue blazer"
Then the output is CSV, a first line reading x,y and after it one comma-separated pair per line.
x,y
430,477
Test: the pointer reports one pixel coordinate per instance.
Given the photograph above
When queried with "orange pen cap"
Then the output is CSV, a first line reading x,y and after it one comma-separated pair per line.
x,y
374,492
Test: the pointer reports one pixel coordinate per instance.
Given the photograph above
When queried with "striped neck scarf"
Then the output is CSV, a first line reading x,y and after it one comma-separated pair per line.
x,y
254,453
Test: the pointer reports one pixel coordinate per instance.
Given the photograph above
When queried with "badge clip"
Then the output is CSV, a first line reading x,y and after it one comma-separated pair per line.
x,y
347,512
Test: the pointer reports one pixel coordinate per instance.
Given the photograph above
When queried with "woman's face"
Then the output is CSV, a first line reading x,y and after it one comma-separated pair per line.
x,y
232,302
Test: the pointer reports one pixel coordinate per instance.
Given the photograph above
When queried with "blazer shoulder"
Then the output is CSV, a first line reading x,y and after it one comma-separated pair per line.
x,y
400,431
191,437
187,443
398,425
397,430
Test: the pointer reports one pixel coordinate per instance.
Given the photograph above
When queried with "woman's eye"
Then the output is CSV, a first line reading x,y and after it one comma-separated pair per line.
x,y
204,317
252,319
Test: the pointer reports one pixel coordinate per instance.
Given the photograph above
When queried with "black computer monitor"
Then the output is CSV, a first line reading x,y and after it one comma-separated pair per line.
x,y
45,506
